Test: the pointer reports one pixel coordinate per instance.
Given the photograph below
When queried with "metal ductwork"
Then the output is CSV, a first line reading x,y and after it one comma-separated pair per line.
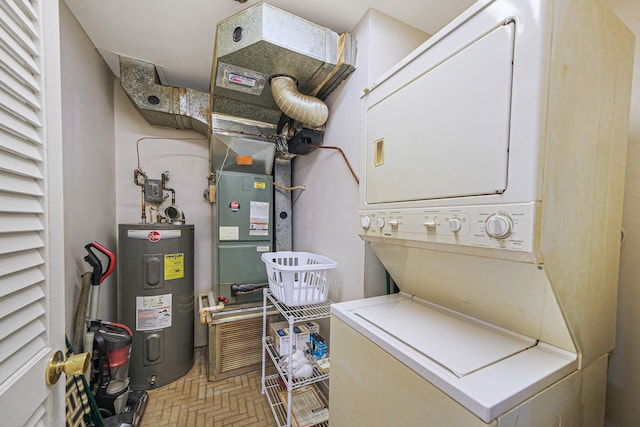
x,y
255,48
262,42
166,106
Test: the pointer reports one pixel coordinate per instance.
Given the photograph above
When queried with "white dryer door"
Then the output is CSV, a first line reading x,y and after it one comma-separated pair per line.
x,y
444,133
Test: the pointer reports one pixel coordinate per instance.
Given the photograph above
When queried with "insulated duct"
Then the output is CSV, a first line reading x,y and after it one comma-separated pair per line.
x,y
308,110
166,106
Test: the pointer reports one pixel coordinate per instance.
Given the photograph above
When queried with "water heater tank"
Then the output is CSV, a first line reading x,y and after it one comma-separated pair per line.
x,y
156,300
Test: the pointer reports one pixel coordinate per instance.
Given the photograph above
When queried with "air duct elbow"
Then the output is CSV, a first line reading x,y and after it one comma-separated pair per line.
x,y
306,109
166,106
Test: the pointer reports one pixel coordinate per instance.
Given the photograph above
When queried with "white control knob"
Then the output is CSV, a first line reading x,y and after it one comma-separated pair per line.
x,y
455,225
430,223
365,222
498,226
393,223
380,222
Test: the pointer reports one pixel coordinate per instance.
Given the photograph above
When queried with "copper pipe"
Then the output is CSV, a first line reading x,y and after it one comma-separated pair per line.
x,y
344,156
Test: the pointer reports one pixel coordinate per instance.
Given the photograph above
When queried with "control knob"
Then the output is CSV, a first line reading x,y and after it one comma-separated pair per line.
x,y
498,226
455,225
430,223
393,223
365,222
380,222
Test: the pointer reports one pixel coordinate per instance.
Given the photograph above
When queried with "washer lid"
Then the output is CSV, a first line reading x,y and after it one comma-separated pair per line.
x,y
460,344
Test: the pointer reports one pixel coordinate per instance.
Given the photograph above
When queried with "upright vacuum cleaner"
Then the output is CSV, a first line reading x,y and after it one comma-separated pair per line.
x,y
110,345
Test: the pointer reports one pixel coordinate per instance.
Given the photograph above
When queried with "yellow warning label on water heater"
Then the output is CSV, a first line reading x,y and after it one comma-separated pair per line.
x,y
173,266
260,185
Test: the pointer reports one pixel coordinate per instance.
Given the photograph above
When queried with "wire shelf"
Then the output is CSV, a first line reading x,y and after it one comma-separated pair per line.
x,y
279,409
318,374
298,314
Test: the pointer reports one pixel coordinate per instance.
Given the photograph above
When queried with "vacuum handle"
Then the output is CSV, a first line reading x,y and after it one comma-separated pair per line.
x,y
98,276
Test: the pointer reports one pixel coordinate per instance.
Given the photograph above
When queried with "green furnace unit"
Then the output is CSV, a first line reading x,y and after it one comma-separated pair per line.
x,y
244,218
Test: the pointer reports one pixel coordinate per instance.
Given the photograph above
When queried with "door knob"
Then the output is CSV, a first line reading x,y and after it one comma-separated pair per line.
x,y
74,365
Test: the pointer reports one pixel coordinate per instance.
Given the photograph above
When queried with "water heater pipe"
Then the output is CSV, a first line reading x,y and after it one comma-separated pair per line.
x,y
306,109
137,173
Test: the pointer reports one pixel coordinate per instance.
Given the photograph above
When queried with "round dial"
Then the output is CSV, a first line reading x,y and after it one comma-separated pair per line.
x,y
380,222
393,223
430,223
365,222
455,225
499,226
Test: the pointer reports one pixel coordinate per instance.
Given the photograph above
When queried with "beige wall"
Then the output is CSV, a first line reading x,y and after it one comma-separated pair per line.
x,y
624,368
88,161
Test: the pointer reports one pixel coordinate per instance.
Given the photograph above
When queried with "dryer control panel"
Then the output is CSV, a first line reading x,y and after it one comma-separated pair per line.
x,y
509,227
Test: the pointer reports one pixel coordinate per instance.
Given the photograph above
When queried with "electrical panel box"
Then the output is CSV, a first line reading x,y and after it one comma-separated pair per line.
x,y
153,191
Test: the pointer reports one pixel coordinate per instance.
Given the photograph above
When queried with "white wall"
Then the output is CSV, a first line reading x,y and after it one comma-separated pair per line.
x,y
325,214
185,154
88,161
624,373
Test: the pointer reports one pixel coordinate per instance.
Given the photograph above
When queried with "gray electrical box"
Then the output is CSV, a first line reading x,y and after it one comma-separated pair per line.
x,y
244,213
153,191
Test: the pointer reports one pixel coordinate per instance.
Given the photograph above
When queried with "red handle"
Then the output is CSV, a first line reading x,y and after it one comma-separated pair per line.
x,y
99,276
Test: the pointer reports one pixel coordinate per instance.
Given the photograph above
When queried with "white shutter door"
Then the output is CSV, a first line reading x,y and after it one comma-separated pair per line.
x,y
30,208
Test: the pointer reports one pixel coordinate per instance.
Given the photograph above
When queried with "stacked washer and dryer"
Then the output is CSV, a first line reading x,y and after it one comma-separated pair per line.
x,y
493,163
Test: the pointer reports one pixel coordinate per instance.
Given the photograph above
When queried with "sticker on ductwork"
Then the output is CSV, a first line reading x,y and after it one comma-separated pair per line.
x,y
240,79
153,312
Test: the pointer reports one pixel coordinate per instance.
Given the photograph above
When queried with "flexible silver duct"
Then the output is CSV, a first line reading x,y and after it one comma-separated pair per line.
x,y
306,109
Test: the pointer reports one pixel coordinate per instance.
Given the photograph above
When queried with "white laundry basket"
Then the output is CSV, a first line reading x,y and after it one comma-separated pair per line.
x,y
298,278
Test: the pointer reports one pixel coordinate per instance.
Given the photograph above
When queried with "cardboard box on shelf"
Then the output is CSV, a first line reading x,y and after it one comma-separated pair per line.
x,y
279,333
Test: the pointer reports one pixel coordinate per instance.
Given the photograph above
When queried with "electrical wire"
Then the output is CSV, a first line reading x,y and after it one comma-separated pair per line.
x,y
344,156
223,162
282,187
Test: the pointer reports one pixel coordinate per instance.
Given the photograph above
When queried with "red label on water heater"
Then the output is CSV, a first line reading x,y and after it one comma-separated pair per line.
x,y
154,236
234,206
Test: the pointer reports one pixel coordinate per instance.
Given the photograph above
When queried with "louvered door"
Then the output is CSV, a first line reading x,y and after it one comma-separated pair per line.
x,y
31,236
